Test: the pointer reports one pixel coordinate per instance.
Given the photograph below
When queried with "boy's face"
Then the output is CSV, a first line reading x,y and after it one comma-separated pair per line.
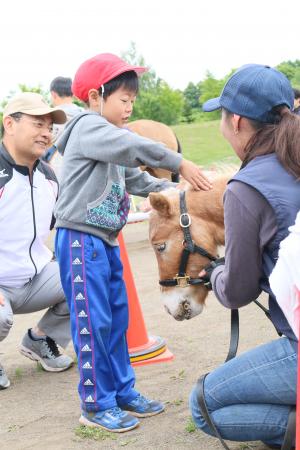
x,y
117,108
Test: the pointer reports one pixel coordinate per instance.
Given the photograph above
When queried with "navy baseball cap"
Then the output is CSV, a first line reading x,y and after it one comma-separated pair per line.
x,y
252,92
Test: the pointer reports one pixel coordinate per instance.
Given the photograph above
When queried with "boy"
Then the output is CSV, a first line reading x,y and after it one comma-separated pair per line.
x,y
100,165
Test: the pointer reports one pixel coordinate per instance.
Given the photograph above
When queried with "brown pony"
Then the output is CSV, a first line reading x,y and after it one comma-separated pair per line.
x,y
158,132
205,209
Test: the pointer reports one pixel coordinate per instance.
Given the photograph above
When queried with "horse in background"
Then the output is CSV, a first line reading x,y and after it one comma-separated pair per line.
x,y
151,129
184,300
159,132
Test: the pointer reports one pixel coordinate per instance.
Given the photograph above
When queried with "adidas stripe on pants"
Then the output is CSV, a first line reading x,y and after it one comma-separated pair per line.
x,y
92,278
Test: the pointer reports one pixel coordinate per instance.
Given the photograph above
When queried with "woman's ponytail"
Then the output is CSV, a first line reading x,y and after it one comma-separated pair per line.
x,y
281,137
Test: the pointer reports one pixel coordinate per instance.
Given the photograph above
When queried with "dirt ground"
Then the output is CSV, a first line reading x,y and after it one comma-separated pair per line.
x,y
41,410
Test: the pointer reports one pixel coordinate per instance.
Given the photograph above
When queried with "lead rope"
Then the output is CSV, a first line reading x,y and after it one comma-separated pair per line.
x,y
289,437
234,342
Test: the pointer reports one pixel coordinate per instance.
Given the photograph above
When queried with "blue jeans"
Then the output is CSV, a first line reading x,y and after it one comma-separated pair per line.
x,y
250,397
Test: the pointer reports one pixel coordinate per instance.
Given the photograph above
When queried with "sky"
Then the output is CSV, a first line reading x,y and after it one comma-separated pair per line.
x,y
180,40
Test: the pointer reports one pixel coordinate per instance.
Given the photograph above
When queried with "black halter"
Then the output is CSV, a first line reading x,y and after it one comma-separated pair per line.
x,y
182,279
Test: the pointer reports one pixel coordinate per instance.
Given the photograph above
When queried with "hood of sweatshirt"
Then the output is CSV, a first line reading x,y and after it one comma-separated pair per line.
x,y
62,141
71,110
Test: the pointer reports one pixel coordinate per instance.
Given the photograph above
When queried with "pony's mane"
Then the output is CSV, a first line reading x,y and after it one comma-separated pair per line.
x,y
225,168
220,172
208,204
205,202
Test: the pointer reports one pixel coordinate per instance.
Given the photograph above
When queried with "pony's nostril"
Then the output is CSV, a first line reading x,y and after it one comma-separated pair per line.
x,y
167,309
187,309
186,305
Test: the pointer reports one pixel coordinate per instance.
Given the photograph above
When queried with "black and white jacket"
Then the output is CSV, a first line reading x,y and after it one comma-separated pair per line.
x,y
26,217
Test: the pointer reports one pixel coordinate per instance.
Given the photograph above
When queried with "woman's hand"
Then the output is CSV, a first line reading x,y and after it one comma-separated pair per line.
x,y
193,174
206,272
1,300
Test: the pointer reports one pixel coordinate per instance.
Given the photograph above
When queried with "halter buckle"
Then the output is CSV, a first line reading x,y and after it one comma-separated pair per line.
x,y
182,217
182,281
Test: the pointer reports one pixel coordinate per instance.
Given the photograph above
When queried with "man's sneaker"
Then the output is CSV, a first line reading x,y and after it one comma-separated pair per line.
x,y
143,407
4,381
113,419
45,351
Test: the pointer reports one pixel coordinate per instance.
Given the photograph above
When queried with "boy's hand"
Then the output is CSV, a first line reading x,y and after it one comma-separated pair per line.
x,y
193,174
145,206
1,300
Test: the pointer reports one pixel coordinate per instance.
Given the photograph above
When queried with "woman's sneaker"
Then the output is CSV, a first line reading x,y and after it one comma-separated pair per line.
x,y
4,381
45,351
143,407
113,419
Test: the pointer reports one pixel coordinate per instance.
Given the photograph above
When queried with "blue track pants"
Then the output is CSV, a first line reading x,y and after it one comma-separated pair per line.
x,y
92,278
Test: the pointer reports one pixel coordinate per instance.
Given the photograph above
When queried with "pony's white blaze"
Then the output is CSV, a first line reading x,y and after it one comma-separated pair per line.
x,y
180,303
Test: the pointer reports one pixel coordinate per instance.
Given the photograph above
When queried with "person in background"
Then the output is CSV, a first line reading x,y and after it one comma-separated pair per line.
x,y
29,279
100,165
296,101
62,97
285,278
250,397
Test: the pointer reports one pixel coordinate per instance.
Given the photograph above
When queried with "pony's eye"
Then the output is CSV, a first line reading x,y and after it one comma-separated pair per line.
x,y
160,247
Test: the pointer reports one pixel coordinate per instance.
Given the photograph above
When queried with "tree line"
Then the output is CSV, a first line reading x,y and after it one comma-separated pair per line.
x,y
158,101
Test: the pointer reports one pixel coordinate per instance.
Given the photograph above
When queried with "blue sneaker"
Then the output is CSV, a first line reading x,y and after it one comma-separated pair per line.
x,y
143,407
113,419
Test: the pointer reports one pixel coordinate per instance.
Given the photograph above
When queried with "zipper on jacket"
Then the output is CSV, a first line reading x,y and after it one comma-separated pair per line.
x,y
34,224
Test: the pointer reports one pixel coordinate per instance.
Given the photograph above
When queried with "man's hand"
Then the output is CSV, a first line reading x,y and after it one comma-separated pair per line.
x,y
1,300
193,174
205,273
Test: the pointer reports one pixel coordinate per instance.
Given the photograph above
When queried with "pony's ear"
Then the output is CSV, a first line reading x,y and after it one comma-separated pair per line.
x,y
160,203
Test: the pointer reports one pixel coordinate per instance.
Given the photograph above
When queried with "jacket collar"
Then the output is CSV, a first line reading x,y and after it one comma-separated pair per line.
x,y
24,170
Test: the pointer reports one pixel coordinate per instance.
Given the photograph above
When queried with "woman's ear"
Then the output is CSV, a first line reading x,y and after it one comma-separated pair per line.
x,y
235,120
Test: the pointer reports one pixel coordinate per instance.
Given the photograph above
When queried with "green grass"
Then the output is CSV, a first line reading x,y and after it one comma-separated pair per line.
x,y
96,434
190,427
18,372
129,441
178,402
39,367
203,143
180,376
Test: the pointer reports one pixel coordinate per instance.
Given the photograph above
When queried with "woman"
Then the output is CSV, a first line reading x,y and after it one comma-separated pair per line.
x,y
250,397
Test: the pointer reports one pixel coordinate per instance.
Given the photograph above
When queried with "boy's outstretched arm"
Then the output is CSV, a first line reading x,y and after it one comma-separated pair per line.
x,y
193,174
102,141
142,183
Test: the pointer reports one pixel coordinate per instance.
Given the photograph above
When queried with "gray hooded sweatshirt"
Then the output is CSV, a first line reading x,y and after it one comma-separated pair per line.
x,y
100,168
71,111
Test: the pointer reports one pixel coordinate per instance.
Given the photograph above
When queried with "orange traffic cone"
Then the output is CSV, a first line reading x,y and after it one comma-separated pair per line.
x,y
143,349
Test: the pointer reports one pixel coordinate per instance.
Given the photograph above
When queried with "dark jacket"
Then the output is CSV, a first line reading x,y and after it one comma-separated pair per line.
x,y
261,202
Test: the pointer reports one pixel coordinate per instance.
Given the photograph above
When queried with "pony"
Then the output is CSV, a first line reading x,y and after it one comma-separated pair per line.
x,y
159,132
183,294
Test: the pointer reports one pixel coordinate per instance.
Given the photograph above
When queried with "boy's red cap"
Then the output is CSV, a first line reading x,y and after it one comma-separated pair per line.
x,y
99,70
